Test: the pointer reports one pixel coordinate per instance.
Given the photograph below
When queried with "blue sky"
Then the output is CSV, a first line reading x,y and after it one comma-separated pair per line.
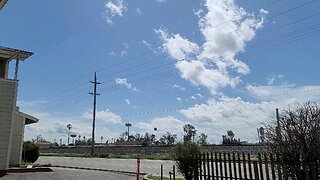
x,y
227,63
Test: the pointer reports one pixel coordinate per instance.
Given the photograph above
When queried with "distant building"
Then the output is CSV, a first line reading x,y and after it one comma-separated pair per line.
x,y
12,121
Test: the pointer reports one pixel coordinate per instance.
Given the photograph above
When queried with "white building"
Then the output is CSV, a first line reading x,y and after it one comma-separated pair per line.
x,y
12,121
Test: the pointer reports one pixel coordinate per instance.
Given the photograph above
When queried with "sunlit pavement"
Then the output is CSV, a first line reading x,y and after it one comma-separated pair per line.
x,y
125,165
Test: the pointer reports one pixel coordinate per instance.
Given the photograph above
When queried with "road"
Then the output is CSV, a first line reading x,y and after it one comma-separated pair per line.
x,y
69,174
127,165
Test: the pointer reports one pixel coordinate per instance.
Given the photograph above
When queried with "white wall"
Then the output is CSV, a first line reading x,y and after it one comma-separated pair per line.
x,y
17,140
8,93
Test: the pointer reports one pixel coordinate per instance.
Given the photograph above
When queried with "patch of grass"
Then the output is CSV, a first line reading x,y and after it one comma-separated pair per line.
x,y
25,164
66,154
164,178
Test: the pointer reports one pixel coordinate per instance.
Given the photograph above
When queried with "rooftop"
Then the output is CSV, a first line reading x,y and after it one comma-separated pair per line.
x,y
10,53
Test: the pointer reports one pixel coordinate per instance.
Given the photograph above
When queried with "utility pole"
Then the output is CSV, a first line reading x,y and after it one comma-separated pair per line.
x,y
94,94
278,130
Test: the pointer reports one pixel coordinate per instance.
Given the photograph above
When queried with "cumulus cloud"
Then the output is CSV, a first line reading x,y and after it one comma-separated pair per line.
x,y
179,99
163,125
124,82
226,29
105,116
113,8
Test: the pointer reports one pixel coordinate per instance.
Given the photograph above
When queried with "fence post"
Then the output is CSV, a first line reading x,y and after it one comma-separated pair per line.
x,y
244,166
250,167
260,167
138,166
279,167
204,166
234,165
208,165
255,169
230,169
272,167
239,164
266,166
216,163
220,161
161,172
225,166
174,172
212,169
200,166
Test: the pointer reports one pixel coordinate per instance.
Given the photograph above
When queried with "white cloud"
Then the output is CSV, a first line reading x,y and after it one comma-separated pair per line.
x,y
161,1
175,86
177,46
163,125
139,11
113,8
112,53
105,115
226,29
200,95
128,101
274,78
193,97
124,82
179,99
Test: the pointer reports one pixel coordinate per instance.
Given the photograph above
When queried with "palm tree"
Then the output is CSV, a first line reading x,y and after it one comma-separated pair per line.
x,y
128,125
101,139
69,126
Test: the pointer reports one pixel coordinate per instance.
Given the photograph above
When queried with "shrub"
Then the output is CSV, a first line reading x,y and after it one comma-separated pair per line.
x,y
185,154
30,152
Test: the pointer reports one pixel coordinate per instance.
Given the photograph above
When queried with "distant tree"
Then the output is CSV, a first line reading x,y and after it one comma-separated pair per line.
x,y
168,139
189,132
296,136
203,139
229,139
122,137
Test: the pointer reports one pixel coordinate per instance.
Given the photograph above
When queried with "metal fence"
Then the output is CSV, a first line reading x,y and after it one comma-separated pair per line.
x,y
260,167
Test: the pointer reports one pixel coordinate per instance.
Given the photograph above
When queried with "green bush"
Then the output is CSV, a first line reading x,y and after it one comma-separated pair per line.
x,y
30,152
185,155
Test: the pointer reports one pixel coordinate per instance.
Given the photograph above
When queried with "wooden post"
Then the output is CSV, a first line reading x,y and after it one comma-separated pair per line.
x,y
174,172
200,166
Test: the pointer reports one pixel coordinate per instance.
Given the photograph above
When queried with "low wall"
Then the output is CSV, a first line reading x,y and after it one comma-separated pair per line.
x,y
153,149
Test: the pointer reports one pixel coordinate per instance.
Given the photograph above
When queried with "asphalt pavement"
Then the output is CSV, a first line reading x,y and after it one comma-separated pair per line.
x,y
123,165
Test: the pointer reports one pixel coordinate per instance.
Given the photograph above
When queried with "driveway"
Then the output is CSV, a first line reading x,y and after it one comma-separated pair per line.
x,y
125,165
69,174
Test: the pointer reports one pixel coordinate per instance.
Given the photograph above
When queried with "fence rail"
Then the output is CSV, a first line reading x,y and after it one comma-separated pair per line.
x,y
245,166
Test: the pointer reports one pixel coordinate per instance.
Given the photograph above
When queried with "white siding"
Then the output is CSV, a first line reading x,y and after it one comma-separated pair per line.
x,y
17,140
8,91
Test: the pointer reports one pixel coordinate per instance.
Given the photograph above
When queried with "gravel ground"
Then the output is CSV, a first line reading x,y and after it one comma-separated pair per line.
x,y
69,174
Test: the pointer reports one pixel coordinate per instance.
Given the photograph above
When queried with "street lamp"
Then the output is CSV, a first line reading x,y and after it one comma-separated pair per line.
x,y
128,125
69,126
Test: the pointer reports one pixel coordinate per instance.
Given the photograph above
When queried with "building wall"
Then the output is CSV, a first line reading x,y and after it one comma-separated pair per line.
x,y
17,140
8,89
